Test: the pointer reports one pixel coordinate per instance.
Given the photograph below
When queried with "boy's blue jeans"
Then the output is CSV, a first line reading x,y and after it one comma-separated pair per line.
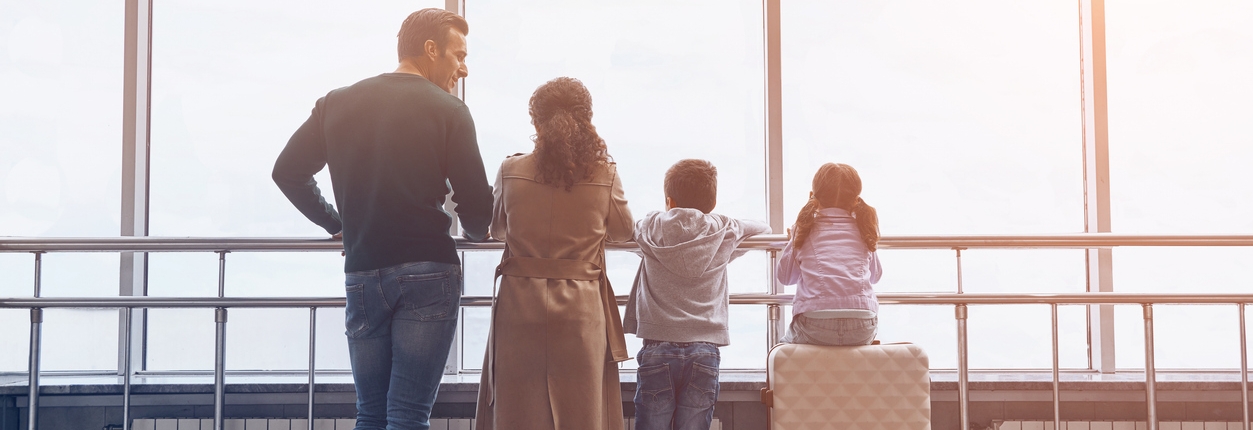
x,y
400,324
677,385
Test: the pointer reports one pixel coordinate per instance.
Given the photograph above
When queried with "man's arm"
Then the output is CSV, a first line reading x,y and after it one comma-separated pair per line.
x,y
464,168
304,156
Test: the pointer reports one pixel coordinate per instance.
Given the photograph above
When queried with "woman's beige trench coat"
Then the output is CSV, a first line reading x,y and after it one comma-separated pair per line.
x,y
556,336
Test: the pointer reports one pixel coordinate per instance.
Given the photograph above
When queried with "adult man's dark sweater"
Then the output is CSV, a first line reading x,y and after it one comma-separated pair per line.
x,y
394,143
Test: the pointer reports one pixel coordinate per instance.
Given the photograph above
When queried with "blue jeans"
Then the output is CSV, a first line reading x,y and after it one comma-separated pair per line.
x,y
677,385
832,331
400,324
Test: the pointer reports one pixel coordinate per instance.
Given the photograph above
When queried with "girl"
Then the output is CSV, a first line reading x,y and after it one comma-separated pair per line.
x,y
831,255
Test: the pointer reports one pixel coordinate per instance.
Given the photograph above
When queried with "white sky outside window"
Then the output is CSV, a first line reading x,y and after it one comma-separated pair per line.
x,y
232,80
1180,149
961,118
60,163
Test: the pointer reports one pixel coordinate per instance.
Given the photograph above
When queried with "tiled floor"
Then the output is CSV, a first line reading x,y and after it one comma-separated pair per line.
x,y
1118,425
298,424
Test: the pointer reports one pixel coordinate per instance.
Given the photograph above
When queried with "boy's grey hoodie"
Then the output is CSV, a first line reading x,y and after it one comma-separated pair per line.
x,y
680,290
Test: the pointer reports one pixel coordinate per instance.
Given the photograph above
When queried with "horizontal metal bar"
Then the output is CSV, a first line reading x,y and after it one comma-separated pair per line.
x,y
736,299
762,242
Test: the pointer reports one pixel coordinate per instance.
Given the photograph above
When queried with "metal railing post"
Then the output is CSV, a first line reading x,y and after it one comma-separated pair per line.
x,y
219,359
219,368
313,335
126,369
963,366
36,332
1244,370
959,269
1150,371
963,369
1057,393
774,312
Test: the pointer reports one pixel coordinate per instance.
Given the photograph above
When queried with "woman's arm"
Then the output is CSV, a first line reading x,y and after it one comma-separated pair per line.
x,y
619,226
499,225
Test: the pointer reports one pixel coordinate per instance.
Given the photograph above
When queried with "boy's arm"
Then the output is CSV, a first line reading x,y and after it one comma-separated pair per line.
x,y
749,227
304,156
744,228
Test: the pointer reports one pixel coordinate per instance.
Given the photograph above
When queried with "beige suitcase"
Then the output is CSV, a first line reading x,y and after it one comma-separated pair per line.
x,y
885,387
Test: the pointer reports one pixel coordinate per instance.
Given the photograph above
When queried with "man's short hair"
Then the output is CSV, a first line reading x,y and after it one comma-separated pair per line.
x,y
693,183
427,24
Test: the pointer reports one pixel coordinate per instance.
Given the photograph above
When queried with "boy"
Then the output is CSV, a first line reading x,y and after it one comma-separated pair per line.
x,y
678,303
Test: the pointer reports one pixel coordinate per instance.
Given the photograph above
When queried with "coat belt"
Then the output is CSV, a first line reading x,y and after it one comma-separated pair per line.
x,y
554,268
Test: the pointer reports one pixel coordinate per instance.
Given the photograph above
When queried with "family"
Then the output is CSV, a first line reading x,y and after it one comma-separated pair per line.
x,y
396,145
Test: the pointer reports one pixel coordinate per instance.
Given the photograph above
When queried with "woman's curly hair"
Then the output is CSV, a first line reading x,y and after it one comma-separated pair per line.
x,y
566,144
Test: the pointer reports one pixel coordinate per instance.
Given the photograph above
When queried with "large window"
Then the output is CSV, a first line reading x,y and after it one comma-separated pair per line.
x,y
1180,147
231,81
60,162
961,118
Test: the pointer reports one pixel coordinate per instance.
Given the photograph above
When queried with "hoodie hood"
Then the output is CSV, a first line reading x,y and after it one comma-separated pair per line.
x,y
686,241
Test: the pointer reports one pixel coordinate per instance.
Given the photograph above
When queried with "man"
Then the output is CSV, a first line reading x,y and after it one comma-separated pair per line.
x,y
394,143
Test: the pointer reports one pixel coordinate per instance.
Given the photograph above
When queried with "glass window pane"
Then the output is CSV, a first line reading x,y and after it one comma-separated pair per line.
x,y
952,131
60,128
748,338
1179,140
686,83
1179,153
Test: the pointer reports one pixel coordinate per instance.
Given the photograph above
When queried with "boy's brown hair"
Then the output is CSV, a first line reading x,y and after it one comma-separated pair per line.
x,y
693,184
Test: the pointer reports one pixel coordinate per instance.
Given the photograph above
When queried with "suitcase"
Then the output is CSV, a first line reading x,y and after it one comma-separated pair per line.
x,y
881,387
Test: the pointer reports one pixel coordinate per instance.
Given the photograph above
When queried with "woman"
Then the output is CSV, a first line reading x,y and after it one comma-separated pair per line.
x,y
556,335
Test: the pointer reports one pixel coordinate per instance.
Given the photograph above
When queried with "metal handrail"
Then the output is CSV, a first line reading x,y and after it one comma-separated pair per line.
x,y
736,299
762,242
773,299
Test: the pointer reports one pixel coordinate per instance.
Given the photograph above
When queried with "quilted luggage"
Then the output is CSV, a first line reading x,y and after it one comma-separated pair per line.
x,y
881,387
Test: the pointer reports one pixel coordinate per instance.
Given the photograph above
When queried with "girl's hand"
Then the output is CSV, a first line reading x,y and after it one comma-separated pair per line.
x,y
789,235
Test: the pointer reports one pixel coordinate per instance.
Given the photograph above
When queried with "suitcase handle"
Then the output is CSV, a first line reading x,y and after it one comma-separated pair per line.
x,y
767,397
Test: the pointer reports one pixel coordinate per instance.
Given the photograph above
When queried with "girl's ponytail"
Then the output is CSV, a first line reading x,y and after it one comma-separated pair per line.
x,y
867,223
804,222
